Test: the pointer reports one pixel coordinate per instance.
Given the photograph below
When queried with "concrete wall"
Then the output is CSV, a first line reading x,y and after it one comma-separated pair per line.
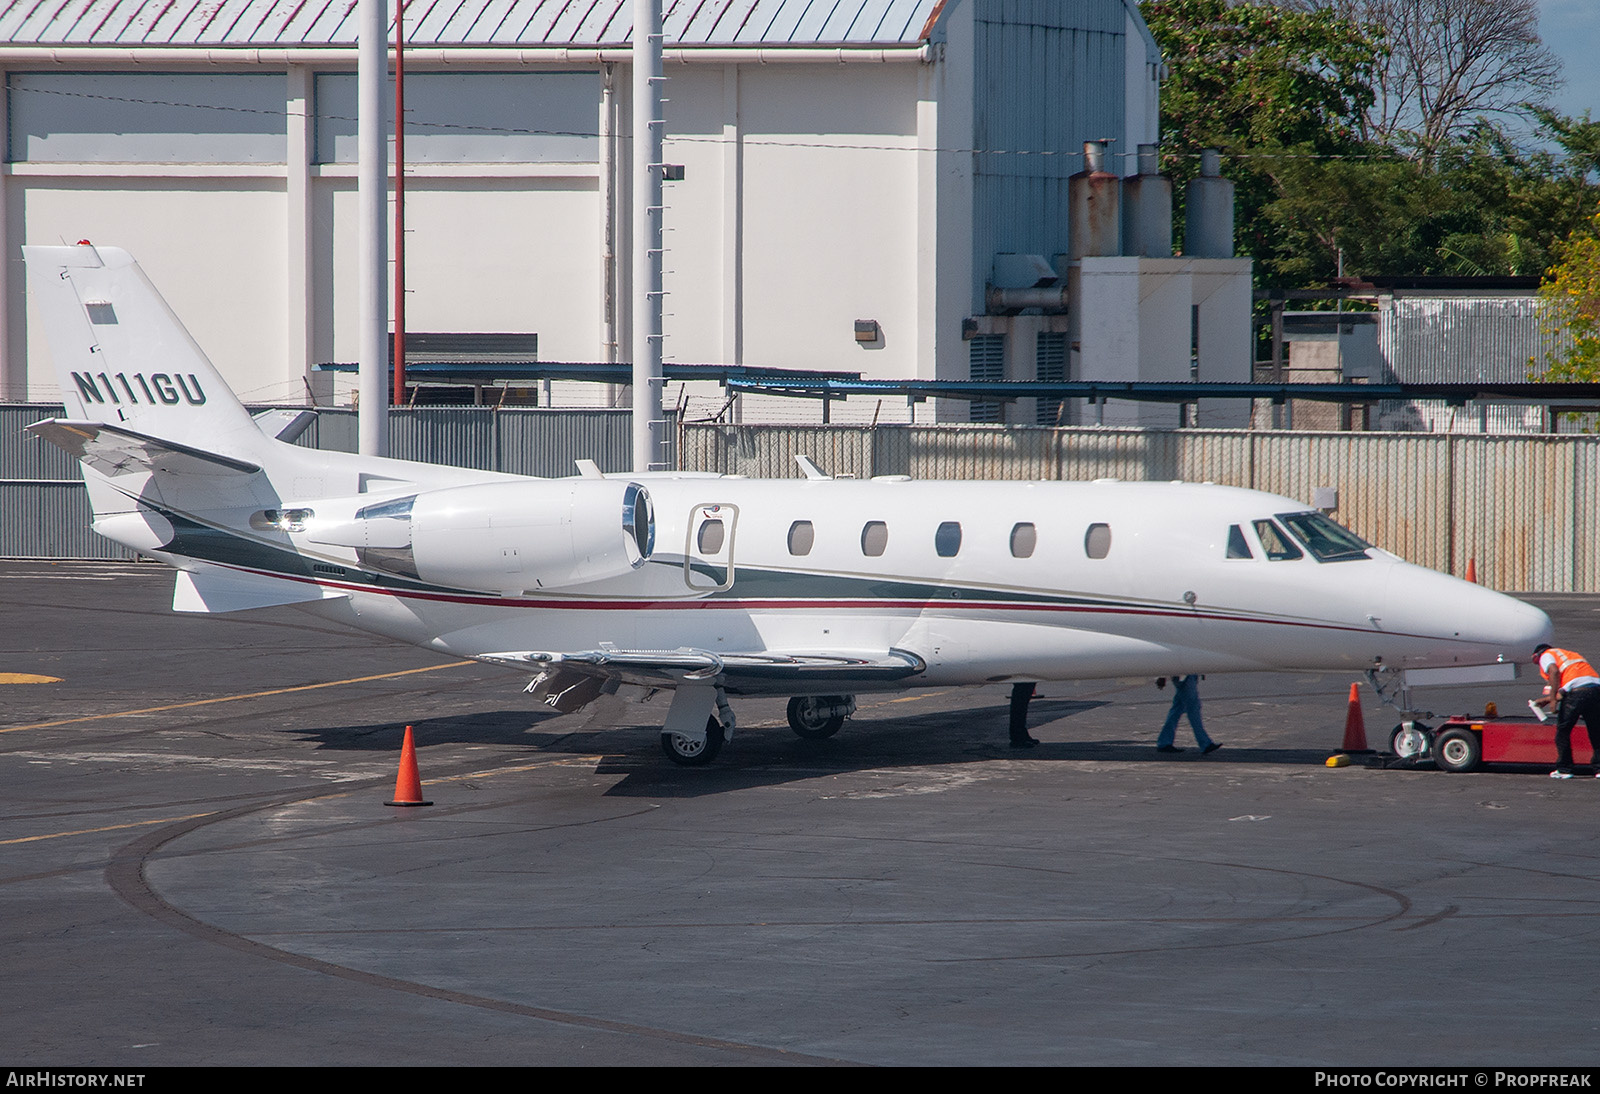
x,y
1149,319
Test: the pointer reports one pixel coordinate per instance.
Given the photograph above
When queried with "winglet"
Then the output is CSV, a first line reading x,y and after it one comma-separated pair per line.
x,y
588,469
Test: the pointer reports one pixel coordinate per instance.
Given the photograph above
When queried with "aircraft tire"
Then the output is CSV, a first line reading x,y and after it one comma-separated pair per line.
x,y
681,750
1409,741
1457,750
807,724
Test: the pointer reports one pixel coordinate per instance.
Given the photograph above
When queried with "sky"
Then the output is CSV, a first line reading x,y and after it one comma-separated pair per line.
x,y
1572,29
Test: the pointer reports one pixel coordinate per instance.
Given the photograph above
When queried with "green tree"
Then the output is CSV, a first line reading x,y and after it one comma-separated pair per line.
x,y
1256,74
1571,291
1258,81
1286,91
1481,206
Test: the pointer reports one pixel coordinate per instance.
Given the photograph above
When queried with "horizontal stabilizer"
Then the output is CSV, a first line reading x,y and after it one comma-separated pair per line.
x,y
114,451
213,589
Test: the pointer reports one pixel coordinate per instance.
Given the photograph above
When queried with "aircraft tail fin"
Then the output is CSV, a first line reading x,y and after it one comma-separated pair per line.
x,y
122,357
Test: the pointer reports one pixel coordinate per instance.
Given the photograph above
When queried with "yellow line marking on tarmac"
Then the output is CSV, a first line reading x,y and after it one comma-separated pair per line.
x,y
489,773
234,698
107,828
27,678
486,773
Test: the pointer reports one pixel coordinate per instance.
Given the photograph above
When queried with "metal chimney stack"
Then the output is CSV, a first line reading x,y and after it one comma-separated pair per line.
x,y
1208,211
1147,208
1094,206
1094,227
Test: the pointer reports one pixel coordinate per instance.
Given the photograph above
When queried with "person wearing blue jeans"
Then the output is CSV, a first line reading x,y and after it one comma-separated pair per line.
x,y
1185,701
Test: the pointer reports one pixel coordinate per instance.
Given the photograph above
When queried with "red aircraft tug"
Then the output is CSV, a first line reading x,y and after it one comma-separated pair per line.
x,y
1465,742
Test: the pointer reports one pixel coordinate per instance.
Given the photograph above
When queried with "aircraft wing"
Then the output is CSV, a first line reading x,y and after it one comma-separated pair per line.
x,y
113,451
567,681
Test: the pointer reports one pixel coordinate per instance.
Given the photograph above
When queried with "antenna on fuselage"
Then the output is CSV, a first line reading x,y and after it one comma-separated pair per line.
x,y
810,469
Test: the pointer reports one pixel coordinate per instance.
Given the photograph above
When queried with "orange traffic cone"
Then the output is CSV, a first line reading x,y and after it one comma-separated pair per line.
x,y
1472,570
1355,728
408,783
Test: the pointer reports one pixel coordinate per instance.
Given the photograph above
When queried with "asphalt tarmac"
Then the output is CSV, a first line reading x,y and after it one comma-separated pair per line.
x,y
197,867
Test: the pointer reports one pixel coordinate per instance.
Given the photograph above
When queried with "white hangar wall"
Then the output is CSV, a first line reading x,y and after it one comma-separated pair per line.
x,y
212,245
798,213
251,236
192,189
503,209
482,254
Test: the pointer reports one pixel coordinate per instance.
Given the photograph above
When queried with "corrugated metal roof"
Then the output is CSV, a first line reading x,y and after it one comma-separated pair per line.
x,y
522,23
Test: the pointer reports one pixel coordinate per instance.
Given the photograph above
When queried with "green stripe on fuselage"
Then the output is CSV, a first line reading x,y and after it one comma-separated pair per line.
x,y
210,544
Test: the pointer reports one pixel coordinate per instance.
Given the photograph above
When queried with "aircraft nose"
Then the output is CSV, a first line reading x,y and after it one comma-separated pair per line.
x,y
1449,608
1530,625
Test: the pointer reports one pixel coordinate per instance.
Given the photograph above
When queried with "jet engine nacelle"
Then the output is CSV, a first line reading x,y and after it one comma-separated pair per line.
x,y
507,538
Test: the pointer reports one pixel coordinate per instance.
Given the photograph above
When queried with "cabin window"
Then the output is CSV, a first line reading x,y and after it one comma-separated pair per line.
x,y
1024,538
1238,546
1097,541
947,540
1277,545
874,538
710,538
801,537
1326,539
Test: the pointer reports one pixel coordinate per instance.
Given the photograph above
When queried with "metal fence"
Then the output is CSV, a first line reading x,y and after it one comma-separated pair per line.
x,y
1521,507
517,441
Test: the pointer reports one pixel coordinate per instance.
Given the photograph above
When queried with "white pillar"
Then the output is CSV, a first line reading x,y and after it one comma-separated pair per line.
x,y
732,221
13,387
372,66
298,300
647,175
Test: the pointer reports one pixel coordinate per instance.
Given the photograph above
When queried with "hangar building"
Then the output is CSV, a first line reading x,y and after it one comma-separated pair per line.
x,y
857,176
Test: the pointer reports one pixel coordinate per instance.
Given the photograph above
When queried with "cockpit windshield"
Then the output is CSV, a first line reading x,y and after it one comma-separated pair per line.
x,y
1327,540
1275,543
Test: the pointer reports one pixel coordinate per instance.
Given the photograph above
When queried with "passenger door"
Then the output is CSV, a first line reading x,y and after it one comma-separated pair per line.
x,y
708,552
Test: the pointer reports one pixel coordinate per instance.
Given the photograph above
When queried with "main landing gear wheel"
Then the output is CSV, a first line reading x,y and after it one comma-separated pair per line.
x,y
691,753
811,717
1457,750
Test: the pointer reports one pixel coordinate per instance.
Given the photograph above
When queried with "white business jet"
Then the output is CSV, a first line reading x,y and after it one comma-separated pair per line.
x,y
814,588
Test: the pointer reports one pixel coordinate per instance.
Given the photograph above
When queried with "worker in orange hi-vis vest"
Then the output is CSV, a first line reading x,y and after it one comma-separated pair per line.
x,y
1574,689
